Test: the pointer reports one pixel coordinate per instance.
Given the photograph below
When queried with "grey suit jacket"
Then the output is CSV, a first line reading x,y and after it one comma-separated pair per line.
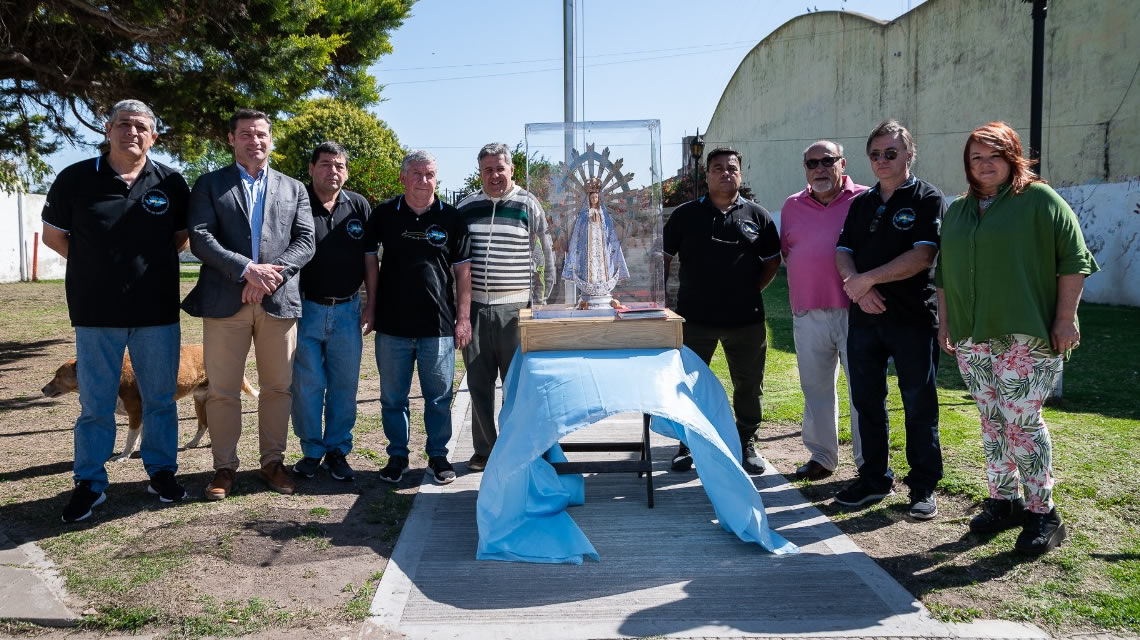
x,y
220,237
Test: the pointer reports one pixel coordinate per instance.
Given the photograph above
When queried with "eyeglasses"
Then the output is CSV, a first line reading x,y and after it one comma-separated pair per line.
x,y
827,161
889,154
878,215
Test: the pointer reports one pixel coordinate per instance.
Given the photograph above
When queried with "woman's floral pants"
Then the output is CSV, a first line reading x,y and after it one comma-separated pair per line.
x,y
1009,378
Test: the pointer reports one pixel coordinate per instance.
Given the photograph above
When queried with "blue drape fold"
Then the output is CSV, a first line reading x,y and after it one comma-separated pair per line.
x,y
521,509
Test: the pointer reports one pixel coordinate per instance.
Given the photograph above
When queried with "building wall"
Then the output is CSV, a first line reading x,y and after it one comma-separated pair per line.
x,y
51,266
942,69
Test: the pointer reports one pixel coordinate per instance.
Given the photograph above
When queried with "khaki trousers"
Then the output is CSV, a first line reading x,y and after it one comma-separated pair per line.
x,y
225,344
821,348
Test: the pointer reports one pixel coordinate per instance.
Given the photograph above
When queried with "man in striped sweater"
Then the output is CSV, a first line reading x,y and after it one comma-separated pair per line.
x,y
506,224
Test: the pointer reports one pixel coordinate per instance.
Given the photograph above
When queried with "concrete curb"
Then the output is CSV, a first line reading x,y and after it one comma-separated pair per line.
x,y
30,588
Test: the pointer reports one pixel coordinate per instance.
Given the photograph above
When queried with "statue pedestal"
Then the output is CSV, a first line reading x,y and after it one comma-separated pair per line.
x,y
599,332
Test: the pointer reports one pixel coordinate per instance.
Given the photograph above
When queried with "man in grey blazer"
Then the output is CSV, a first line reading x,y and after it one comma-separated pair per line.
x,y
252,228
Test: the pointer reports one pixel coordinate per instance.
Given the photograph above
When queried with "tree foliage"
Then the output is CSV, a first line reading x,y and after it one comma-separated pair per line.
x,y
194,61
23,144
214,155
374,152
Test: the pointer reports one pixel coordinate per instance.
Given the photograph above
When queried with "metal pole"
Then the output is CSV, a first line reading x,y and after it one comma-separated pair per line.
x,y
568,63
20,234
1035,98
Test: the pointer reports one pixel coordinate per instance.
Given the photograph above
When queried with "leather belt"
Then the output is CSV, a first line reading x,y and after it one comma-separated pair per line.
x,y
329,301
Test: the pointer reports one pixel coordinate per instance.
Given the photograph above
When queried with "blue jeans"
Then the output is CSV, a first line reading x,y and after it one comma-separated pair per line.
x,y
435,359
915,353
154,358
326,373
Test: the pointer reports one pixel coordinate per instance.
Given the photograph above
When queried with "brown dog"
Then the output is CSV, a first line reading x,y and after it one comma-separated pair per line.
x,y
191,380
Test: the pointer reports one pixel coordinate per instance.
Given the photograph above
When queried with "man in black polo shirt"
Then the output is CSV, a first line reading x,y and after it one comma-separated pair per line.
x,y
326,366
120,220
419,321
884,256
729,250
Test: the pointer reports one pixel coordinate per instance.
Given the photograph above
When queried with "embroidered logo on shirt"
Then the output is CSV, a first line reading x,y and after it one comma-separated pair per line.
x,y
355,229
904,219
156,202
434,235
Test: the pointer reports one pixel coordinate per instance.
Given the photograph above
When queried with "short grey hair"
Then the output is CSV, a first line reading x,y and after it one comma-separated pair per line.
x,y
838,147
494,149
417,156
133,106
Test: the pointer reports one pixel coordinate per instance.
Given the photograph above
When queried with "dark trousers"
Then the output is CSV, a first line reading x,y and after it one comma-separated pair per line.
x,y
745,349
915,354
494,339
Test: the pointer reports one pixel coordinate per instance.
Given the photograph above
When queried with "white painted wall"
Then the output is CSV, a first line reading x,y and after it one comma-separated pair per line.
x,y
51,265
1110,219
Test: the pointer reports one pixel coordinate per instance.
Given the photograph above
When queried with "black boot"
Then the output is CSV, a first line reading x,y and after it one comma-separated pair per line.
x,y
682,460
998,515
1042,532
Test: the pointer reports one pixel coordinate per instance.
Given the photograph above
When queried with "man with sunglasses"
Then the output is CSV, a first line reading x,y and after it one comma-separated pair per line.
x,y
885,257
729,250
809,228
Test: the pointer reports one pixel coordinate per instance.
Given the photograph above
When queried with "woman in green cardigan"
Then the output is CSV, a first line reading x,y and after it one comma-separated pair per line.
x,y
1010,274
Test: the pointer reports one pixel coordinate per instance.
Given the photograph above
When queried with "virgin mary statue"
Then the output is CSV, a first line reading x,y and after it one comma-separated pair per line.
x,y
594,260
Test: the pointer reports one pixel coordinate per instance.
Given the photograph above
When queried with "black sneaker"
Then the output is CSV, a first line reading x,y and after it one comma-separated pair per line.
x,y
998,515
477,462
307,467
441,469
83,499
923,504
682,460
394,470
1041,532
751,461
338,466
861,492
163,485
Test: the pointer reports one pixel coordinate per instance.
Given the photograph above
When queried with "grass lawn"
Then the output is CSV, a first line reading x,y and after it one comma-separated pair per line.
x,y
1091,581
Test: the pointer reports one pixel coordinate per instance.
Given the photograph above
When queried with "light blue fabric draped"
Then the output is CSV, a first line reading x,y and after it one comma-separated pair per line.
x,y
521,509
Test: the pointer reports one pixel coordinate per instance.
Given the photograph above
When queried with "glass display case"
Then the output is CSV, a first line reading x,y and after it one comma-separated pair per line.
x,y
600,185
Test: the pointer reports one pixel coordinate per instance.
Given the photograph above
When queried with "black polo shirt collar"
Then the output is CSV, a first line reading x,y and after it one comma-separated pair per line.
x,y
103,169
909,183
736,204
437,204
318,207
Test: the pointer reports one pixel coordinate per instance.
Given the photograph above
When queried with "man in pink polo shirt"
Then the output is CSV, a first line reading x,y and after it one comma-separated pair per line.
x,y
809,228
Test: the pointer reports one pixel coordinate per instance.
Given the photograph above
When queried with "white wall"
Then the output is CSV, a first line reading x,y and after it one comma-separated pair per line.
x,y
51,266
1110,219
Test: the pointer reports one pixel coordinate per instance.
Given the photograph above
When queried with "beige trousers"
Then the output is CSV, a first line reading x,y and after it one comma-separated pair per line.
x,y
821,348
225,344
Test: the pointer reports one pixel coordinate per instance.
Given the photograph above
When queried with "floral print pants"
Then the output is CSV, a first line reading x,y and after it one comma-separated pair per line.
x,y
1009,378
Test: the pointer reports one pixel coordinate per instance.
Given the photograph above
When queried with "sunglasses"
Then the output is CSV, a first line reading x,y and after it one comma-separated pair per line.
x,y
878,214
827,161
889,154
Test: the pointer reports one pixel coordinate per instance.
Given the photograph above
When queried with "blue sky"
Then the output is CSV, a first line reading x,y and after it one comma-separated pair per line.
x,y
466,73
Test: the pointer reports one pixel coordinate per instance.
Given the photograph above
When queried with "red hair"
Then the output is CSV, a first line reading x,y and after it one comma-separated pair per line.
x,y
1003,139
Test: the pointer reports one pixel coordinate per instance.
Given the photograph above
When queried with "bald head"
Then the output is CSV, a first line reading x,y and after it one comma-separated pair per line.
x,y
824,165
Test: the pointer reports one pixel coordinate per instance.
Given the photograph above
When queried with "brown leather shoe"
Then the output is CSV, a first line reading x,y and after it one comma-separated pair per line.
x,y
275,475
813,471
221,485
